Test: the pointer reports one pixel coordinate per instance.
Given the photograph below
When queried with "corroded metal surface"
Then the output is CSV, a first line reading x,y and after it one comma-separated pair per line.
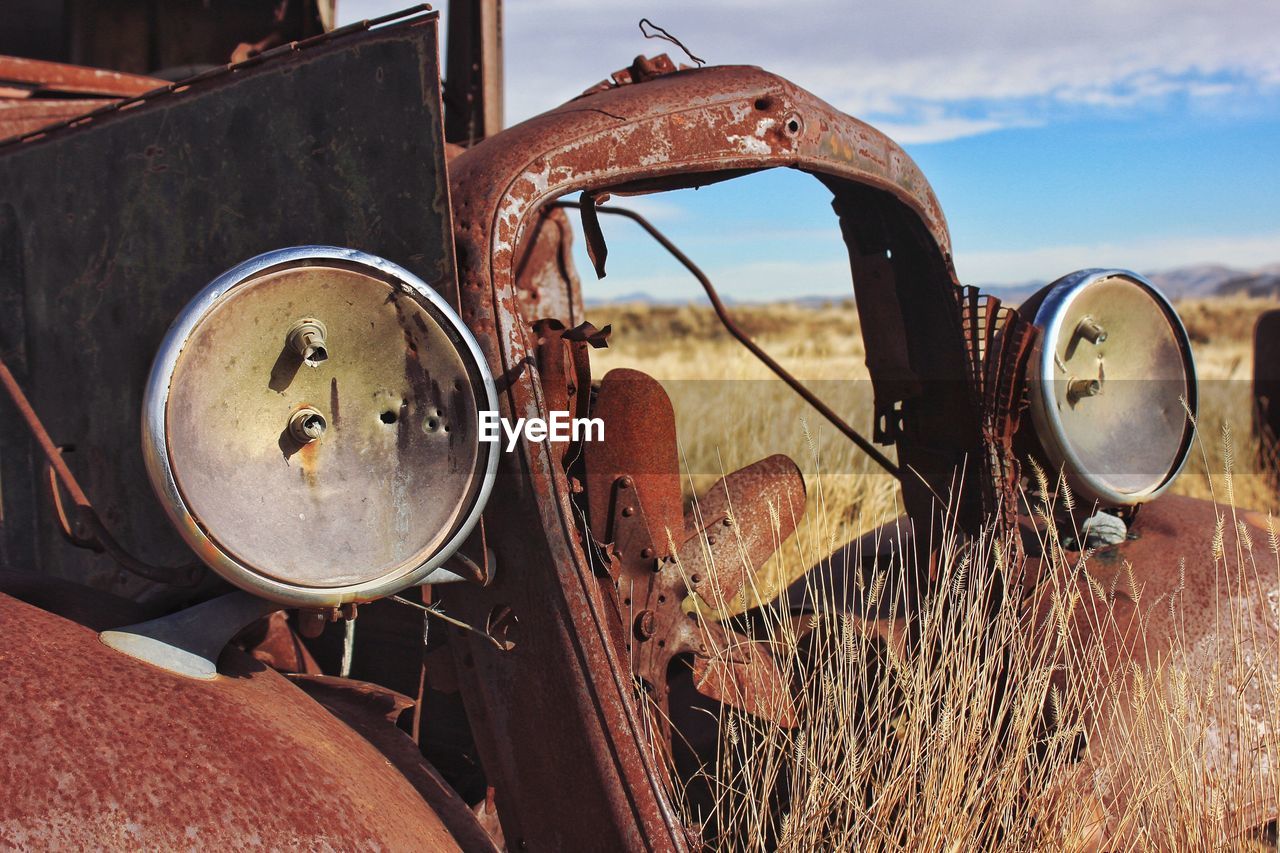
x,y
545,276
588,753
274,642
740,672
1171,604
38,77
372,712
19,116
639,443
632,489
475,82
336,141
102,751
1194,614
738,524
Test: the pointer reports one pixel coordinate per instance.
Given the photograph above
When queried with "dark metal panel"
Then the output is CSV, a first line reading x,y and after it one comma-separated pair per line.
x,y
473,96
122,218
1266,391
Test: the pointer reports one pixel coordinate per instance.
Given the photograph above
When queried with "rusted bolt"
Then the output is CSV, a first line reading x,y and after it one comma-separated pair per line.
x,y
646,624
311,622
1089,329
711,540
695,579
1080,388
624,483
307,337
307,425
728,522
628,511
647,553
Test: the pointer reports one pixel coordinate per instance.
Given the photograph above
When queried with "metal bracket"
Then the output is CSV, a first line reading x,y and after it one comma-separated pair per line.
x,y
188,642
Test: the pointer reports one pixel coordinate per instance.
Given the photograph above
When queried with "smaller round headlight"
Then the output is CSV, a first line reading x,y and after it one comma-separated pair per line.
x,y
1112,386
311,425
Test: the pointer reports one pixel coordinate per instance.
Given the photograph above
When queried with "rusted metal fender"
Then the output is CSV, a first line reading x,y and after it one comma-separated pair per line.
x,y
1191,614
1178,612
104,752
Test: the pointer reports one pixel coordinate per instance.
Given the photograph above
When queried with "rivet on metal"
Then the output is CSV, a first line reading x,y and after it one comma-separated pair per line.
x,y
646,623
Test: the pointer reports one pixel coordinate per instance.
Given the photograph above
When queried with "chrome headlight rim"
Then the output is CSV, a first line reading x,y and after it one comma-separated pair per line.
x,y
1051,316
159,466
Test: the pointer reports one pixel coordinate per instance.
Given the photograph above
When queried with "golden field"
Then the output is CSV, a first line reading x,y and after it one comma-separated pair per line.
x,y
918,742
731,411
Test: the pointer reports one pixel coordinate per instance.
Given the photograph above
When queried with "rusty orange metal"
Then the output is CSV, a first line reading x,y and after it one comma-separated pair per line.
x,y
39,77
246,756
540,683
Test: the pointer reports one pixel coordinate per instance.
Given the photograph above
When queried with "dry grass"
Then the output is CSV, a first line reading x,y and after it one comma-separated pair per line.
x,y
912,740
970,732
731,411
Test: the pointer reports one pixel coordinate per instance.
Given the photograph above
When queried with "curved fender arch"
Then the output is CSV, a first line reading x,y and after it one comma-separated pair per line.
x,y
562,735
105,752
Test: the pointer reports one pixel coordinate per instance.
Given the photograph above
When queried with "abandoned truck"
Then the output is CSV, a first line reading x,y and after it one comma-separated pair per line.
x,y
252,324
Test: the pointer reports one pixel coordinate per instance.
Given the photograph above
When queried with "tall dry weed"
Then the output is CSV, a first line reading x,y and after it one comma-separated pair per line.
x,y
985,721
996,712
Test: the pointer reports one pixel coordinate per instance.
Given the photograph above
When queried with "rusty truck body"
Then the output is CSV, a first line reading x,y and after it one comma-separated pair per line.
x,y
251,322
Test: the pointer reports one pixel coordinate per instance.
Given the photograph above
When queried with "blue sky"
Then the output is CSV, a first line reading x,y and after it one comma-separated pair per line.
x,y
1136,133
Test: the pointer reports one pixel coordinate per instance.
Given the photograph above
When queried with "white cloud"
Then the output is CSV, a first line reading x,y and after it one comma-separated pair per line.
x,y
652,207
934,124
1156,253
974,67
874,58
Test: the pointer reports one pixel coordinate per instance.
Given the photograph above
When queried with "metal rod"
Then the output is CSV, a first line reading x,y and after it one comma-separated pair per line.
x,y
781,372
86,529
47,446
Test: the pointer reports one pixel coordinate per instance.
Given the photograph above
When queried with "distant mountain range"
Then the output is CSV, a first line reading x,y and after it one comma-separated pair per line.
x,y
1199,281
1192,282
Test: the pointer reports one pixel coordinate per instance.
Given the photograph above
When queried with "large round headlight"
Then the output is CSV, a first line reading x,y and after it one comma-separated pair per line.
x,y
1112,385
311,425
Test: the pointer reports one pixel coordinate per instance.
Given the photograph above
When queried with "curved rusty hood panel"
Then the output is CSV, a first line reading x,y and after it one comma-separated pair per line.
x,y
684,123
102,751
